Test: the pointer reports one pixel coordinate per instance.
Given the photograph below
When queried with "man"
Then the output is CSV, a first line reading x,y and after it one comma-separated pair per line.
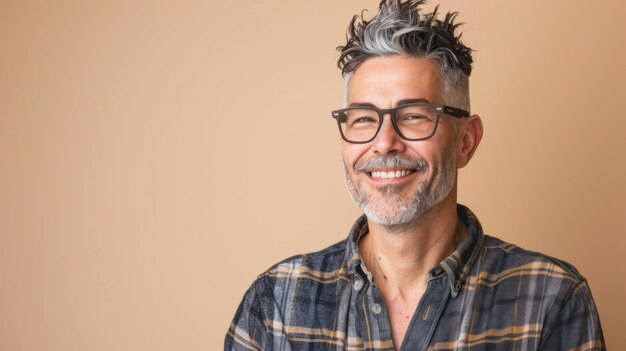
x,y
416,271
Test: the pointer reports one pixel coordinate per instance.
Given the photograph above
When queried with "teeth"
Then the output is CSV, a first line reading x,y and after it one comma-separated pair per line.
x,y
390,174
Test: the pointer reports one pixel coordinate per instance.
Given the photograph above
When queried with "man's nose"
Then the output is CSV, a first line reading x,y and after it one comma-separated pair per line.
x,y
388,141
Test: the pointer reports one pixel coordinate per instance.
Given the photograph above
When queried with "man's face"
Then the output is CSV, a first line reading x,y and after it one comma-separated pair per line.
x,y
424,172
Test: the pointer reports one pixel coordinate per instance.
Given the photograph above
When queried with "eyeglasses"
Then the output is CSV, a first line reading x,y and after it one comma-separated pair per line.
x,y
414,121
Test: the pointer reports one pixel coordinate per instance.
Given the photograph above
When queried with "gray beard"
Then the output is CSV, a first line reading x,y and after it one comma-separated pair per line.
x,y
391,211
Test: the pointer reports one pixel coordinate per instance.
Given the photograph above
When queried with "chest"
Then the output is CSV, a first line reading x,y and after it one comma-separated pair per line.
x,y
400,312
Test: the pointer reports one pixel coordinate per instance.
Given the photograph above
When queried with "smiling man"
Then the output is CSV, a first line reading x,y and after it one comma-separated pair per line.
x,y
416,271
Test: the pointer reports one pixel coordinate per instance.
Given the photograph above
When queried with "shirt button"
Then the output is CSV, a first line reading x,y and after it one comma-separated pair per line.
x,y
358,284
376,309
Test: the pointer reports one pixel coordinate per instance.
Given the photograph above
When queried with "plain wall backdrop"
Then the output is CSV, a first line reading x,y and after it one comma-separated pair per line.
x,y
156,156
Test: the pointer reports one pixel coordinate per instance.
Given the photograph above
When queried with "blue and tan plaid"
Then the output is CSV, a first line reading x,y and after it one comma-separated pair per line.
x,y
487,295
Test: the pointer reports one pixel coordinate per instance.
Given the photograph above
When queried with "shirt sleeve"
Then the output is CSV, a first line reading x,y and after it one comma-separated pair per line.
x,y
247,330
575,324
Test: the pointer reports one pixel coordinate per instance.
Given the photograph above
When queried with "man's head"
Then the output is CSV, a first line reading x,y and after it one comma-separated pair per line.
x,y
404,58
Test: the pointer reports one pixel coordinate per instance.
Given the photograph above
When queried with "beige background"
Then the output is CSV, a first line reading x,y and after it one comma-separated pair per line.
x,y
156,156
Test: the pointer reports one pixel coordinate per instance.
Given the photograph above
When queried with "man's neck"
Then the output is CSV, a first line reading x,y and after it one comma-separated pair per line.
x,y
400,260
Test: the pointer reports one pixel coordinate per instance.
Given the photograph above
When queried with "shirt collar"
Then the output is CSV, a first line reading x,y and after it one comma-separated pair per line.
x,y
359,229
457,265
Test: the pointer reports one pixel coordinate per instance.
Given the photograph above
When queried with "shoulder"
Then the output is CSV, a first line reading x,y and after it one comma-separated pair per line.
x,y
501,256
510,276
317,270
326,260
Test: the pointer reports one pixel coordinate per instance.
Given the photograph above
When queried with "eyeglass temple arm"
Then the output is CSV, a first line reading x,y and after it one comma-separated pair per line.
x,y
455,112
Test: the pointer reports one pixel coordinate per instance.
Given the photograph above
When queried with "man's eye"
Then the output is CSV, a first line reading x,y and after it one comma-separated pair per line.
x,y
413,117
362,121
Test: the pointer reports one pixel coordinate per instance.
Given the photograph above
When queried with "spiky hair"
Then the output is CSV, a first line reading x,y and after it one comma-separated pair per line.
x,y
400,28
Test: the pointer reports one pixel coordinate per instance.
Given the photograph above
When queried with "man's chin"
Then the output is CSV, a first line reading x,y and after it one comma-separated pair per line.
x,y
390,214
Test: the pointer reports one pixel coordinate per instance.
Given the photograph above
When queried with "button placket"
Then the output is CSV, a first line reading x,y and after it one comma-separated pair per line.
x,y
427,314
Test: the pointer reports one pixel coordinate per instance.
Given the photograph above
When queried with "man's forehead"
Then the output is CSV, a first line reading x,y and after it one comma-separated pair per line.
x,y
395,79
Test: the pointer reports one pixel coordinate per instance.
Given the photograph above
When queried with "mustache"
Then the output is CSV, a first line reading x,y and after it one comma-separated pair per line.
x,y
394,161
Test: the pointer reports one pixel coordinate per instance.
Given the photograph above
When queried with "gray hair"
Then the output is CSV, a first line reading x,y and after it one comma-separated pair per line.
x,y
399,28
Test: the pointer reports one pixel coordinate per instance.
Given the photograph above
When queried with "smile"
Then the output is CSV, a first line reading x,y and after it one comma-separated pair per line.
x,y
390,174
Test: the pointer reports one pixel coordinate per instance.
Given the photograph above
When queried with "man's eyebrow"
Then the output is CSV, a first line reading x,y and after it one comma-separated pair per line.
x,y
411,101
401,102
362,104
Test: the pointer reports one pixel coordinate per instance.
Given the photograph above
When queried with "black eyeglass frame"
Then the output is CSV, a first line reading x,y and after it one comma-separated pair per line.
x,y
449,110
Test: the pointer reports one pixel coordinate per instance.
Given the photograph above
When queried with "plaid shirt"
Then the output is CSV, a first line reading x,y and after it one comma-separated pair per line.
x,y
487,295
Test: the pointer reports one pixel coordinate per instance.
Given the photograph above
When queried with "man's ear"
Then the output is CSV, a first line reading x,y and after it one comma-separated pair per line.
x,y
471,132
